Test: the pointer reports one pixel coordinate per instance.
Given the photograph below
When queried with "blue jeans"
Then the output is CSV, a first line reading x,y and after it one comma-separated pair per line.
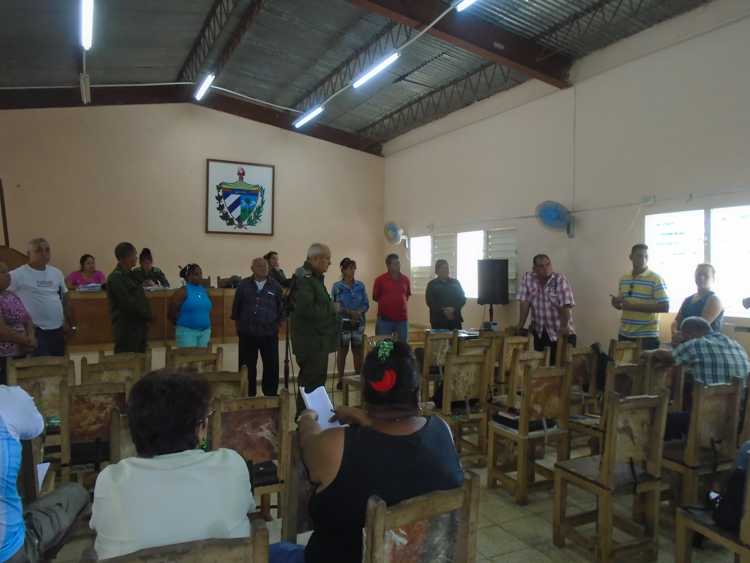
x,y
401,328
285,552
191,338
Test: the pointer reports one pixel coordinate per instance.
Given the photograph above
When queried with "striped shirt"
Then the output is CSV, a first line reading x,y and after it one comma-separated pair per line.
x,y
645,288
713,359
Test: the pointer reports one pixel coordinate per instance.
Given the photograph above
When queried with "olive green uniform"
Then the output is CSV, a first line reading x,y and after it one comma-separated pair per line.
x,y
314,328
154,274
129,310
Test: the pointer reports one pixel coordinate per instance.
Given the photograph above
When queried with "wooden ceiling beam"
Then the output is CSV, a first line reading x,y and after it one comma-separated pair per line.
x,y
473,34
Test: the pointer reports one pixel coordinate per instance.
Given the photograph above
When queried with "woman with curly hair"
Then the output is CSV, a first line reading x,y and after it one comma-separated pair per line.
x,y
190,310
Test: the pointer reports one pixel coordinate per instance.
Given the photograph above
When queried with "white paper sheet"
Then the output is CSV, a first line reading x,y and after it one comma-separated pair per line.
x,y
320,402
41,473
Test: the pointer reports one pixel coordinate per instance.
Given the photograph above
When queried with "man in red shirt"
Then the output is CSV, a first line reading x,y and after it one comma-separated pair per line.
x,y
391,291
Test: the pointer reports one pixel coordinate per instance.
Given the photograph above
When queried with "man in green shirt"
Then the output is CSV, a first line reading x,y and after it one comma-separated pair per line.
x,y
314,325
445,298
129,309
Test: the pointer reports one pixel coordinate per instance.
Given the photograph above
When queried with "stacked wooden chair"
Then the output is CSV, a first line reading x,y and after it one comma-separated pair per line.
x,y
542,415
198,359
625,352
630,465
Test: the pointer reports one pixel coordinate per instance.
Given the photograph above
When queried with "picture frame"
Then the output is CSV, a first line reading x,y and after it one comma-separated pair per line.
x,y
240,197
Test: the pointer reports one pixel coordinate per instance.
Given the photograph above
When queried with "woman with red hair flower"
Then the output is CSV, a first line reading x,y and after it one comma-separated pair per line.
x,y
389,449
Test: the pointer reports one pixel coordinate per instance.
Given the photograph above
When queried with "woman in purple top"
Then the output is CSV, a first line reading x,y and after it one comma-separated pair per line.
x,y
87,275
16,329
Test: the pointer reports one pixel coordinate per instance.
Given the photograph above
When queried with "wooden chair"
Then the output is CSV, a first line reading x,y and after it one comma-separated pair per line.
x,y
689,522
29,487
42,378
544,400
117,368
199,359
465,400
631,464
711,441
226,384
147,357
438,527
409,532
626,352
627,380
241,550
435,344
258,429
584,389
510,344
519,362
86,427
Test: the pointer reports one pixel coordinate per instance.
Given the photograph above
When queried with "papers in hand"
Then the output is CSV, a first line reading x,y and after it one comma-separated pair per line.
x,y
319,401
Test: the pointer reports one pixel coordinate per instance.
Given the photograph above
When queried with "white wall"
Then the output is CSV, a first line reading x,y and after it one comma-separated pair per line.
x,y
673,123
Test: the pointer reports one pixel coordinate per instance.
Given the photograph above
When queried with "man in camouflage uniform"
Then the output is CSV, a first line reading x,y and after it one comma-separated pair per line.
x,y
314,324
129,309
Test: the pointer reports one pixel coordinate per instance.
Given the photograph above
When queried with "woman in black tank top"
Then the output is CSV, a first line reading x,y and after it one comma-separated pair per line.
x,y
388,450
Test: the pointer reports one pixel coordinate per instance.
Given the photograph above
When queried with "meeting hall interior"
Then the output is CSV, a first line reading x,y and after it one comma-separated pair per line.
x,y
339,281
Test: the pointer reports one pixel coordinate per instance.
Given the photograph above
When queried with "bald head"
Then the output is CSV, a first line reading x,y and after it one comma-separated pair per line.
x,y
260,268
319,257
695,327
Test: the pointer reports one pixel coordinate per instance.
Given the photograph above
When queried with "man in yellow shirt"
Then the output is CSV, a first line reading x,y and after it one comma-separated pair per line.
x,y
642,296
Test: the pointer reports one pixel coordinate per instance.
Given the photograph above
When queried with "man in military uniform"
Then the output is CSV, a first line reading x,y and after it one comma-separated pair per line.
x,y
128,307
314,324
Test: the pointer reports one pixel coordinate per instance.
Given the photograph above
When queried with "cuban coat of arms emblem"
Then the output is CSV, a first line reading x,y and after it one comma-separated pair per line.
x,y
241,203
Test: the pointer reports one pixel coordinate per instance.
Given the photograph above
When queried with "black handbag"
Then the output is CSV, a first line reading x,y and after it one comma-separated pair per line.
x,y
262,474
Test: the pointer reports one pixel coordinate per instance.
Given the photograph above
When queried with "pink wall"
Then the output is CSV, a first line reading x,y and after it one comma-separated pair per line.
x,y
88,178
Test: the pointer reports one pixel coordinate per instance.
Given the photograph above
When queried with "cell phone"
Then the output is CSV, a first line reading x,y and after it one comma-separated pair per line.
x,y
713,495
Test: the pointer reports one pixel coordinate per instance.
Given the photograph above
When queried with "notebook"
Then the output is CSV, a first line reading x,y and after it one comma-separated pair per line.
x,y
319,401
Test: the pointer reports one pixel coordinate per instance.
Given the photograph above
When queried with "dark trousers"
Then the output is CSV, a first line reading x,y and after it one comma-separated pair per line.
x,y
268,346
651,343
49,342
544,341
313,370
48,519
130,337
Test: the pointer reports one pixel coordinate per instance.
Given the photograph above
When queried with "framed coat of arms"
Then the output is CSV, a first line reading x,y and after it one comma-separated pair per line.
x,y
239,197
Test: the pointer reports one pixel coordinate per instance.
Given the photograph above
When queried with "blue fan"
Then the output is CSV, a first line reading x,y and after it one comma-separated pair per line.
x,y
393,233
553,215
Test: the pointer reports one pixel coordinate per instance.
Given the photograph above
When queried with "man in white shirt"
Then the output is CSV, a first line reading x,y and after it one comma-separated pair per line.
x,y
26,534
42,290
172,492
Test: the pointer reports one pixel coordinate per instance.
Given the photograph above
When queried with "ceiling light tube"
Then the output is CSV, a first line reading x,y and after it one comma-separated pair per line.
x,y
463,5
377,69
204,86
309,116
87,23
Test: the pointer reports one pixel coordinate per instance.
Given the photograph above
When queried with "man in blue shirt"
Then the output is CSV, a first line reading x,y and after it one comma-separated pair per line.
x,y
351,297
26,534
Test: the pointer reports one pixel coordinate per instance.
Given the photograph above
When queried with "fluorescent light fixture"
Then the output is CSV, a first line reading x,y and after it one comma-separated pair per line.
x,y
310,115
87,23
377,69
463,5
203,88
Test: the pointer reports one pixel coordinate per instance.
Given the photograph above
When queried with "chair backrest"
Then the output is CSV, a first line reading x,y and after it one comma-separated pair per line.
x,y
545,395
626,352
118,368
87,419
147,356
31,455
656,375
438,527
583,366
257,428
511,343
121,444
298,492
436,344
634,434
520,361
42,378
465,378
416,337
626,379
199,359
712,435
226,384
240,550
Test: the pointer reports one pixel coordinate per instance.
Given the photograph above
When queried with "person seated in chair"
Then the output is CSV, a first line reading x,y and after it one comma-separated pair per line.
x,y
172,492
86,275
148,274
710,357
28,533
388,450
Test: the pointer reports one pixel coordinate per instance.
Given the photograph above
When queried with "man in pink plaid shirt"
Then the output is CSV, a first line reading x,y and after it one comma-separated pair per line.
x,y
550,298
